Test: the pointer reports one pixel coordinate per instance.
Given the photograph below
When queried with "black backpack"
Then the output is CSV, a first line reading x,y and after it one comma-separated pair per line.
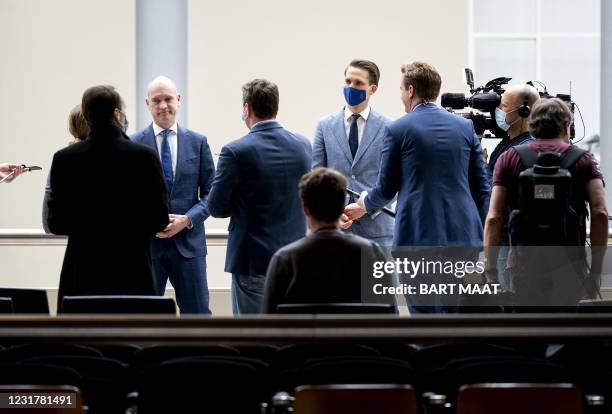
x,y
549,213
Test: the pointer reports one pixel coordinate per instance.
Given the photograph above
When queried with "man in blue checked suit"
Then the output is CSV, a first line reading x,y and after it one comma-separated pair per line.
x,y
351,140
256,185
179,251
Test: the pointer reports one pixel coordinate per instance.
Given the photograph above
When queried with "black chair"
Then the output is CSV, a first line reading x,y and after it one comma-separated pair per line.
x,y
121,352
594,306
123,304
105,382
156,354
263,352
437,356
495,369
27,300
21,352
87,366
38,374
357,370
590,364
6,305
294,356
215,386
398,351
335,308
498,370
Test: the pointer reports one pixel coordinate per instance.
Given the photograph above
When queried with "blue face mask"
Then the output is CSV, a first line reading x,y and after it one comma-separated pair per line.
x,y
125,126
354,96
500,119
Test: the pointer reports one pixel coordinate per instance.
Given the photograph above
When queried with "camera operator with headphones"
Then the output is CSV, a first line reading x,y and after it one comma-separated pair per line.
x,y
548,204
511,116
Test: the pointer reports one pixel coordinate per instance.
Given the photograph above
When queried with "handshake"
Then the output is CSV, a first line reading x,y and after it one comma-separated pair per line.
x,y
353,211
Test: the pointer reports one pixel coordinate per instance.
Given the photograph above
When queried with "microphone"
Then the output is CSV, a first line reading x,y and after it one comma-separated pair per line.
x,y
25,168
385,210
454,100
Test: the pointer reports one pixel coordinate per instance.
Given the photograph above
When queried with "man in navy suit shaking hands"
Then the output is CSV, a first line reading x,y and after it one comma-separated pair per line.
x,y
433,161
256,185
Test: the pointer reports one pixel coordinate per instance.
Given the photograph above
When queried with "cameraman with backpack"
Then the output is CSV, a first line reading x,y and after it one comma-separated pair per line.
x,y
548,205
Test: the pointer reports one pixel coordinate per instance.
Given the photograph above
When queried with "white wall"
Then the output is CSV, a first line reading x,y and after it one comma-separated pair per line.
x,y
303,46
52,50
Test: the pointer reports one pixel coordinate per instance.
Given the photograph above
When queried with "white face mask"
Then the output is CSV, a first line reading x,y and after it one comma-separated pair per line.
x,y
500,119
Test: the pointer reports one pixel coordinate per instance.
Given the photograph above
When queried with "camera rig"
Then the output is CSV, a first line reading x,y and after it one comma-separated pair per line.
x,y
484,99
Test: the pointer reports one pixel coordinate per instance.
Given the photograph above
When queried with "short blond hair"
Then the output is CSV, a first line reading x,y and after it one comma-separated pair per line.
x,y
77,125
424,78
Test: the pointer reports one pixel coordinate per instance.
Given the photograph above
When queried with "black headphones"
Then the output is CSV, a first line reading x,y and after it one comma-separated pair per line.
x,y
524,110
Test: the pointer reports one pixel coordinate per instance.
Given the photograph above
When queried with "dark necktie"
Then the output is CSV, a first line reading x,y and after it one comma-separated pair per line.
x,y
166,158
354,134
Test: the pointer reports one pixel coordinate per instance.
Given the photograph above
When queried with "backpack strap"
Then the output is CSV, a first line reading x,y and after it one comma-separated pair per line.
x,y
571,157
528,156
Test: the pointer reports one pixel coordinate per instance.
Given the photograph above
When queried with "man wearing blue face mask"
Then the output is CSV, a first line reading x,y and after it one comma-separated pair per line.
x,y
511,116
351,140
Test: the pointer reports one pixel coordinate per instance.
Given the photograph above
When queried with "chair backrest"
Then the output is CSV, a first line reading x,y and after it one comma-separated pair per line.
x,y
222,385
436,356
594,306
24,351
519,398
123,304
357,370
156,354
27,300
65,399
355,399
335,308
87,366
6,305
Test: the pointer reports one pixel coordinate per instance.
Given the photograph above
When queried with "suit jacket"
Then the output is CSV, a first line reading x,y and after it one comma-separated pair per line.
x,y
310,271
256,184
434,160
108,197
331,149
195,170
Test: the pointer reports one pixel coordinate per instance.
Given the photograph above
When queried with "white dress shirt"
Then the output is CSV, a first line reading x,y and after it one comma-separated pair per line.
x,y
172,140
361,121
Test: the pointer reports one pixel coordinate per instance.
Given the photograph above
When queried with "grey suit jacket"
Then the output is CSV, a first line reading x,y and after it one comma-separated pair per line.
x,y
331,149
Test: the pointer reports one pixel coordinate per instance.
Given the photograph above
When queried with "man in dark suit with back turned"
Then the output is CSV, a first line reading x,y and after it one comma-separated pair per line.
x,y
256,184
108,196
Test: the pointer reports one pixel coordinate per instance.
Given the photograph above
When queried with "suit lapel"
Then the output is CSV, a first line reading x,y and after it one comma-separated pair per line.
x,y
339,134
150,139
369,133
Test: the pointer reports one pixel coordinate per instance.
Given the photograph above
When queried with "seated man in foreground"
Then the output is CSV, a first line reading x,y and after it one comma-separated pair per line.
x,y
328,265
